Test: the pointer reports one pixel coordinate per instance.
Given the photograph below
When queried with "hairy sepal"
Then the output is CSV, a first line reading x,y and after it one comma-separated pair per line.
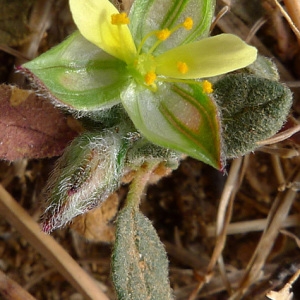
x,y
87,173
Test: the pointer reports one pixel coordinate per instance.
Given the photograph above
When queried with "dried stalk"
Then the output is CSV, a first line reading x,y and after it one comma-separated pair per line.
x,y
276,218
253,225
279,137
48,247
10,290
223,219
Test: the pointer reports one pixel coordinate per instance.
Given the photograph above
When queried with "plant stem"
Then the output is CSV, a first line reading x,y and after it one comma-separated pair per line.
x,y
139,183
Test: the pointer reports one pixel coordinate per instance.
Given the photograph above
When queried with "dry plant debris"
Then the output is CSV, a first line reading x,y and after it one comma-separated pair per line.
x,y
229,236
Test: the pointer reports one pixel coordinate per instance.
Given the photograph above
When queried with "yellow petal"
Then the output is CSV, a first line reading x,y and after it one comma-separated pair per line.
x,y
206,58
93,19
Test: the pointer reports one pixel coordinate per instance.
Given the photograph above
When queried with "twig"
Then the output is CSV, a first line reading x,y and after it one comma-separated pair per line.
x,y
220,14
258,24
48,247
293,84
13,52
276,217
281,152
253,225
293,8
288,18
223,218
10,290
280,136
39,21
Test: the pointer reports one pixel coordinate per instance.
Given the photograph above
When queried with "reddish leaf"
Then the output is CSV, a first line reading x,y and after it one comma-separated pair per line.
x,y
30,127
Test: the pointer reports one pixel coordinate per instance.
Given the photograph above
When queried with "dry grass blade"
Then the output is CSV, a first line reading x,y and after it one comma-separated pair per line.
x,y
285,293
294,9
279,137
10,290
223,218
277,216
39,22
48,247
253,225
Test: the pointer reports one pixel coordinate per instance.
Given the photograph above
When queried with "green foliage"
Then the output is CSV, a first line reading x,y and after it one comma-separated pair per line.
x,y
139,262
252,109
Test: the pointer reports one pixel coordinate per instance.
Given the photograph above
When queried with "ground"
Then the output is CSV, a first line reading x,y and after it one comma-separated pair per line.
x,y
253,204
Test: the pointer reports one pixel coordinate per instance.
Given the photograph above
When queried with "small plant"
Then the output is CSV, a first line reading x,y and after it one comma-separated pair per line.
x,y
149,87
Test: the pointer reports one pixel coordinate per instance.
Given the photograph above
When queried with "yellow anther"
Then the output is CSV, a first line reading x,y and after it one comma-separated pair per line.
x,y
150,78
188,23
120,19
207,87
163,34
182,67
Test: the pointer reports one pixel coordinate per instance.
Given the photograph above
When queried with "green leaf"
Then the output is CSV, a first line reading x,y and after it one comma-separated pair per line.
x,y
147,16
180,117
139,262
78,75
252,109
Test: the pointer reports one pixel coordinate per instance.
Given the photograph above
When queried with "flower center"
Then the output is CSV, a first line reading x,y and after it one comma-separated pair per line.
x,y
144,66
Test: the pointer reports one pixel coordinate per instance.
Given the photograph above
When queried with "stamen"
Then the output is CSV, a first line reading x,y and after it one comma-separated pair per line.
x,y
120,19
150,78
182,67
163,34
207,87
188,23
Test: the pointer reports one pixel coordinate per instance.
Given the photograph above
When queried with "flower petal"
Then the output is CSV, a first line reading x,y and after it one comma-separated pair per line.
x,y
179,117
93,19
206,58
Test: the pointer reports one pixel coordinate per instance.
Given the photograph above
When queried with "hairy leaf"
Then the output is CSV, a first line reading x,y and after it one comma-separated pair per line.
x,y
253,109
140,265
30,127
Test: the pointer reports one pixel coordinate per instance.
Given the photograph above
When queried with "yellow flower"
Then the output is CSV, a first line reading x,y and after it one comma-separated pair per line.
x,y
101,24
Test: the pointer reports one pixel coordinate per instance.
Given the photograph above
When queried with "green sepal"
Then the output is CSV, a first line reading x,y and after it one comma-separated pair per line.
x,y
139,261
180,117
252,110
78,75
157,14
143,150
